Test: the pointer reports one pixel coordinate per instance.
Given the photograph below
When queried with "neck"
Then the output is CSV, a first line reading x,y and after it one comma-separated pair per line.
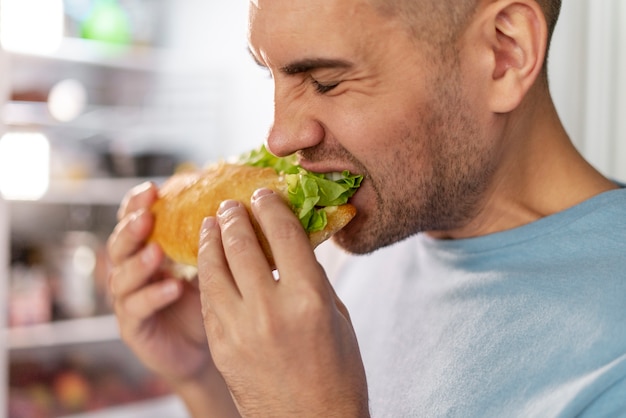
x,y
541,173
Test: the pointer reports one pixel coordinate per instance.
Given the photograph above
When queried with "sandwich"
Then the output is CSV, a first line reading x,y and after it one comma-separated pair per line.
x,y
320,201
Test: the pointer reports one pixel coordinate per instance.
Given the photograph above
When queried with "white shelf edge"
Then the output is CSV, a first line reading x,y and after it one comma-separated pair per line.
x,y
101,118
93,191
75,331
84,51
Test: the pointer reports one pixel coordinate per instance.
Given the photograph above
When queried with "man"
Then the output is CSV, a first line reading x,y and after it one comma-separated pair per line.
x,y
510,302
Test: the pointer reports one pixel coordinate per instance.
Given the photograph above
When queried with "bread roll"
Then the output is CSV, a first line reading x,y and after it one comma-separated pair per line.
x,y
186,198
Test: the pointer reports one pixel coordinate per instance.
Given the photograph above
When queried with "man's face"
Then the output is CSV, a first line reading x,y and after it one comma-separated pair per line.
x,y
354,90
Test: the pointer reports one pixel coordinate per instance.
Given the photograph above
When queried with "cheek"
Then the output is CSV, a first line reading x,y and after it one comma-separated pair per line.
x,y
394,156
378,135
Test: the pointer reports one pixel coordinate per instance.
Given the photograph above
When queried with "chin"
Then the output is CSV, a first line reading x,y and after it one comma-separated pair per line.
x,y
354,237
358,236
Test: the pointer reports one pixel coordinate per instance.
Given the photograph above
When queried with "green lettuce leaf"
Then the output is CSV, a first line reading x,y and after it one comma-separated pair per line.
x,y
261,157
308,192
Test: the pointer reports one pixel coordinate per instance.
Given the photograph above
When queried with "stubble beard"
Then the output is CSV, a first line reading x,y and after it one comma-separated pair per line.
x,y
444,187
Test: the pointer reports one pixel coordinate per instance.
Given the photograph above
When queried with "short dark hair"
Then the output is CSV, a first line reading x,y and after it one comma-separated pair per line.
x,y
439,22
552,10
435,21
447,14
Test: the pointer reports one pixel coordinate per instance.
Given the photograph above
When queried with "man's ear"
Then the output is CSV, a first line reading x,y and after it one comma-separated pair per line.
x,y
516,36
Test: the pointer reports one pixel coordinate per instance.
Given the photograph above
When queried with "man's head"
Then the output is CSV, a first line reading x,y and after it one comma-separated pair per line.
x,y
441,21
427,126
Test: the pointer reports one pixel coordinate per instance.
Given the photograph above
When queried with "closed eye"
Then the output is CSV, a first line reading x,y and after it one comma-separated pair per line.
x,y
322,88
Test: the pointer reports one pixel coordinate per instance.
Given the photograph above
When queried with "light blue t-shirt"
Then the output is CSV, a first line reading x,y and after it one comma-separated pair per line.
x,y
529,322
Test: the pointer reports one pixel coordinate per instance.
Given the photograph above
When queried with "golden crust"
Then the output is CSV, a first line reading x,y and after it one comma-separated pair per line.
x,y
338,217
186,198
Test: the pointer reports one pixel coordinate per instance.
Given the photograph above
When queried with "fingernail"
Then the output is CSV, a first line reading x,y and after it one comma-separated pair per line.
x,y
143,187
227,205
261,193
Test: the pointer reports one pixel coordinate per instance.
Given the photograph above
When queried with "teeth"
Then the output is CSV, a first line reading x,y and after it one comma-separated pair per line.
x,y
334,176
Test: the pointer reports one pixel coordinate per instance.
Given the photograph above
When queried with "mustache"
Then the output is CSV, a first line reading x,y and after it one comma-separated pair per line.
x,y
332,154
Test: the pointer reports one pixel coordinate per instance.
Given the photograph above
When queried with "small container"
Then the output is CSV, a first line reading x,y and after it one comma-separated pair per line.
x,y
76,295
30,300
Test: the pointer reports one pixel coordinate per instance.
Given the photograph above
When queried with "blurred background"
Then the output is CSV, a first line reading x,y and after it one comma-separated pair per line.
x,y
97,96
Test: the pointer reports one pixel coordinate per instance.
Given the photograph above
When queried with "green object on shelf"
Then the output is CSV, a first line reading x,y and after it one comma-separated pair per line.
x,y
107,22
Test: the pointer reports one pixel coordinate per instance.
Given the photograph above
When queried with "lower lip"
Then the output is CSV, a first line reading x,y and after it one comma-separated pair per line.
x,y
359,197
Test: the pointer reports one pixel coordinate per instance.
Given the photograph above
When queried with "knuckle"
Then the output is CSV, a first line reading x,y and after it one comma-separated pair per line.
x,y
239,244
113,282
285,230
128,236
111,250
128,201
113,244
311,303
209,291
269,326
140,195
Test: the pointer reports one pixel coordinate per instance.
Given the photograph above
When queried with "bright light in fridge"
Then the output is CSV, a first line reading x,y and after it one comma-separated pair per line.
x,y
31,26
24,165
67,100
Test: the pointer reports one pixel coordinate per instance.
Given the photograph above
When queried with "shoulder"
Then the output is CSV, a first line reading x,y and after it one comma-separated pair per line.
x,y
601,219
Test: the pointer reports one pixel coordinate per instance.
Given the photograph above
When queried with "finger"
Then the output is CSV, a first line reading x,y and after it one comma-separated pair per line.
x,y
129,235
139,197
217,287
285,234
136,271
144,303
244,254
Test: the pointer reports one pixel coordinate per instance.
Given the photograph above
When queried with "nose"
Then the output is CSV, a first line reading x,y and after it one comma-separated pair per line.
x,y
295,126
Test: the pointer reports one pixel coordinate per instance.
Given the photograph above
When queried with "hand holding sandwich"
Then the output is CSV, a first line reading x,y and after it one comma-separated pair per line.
x,y
159,316
285,348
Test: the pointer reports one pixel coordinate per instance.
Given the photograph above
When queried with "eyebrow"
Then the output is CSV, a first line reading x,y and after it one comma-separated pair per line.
x,y
311,64
307,64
